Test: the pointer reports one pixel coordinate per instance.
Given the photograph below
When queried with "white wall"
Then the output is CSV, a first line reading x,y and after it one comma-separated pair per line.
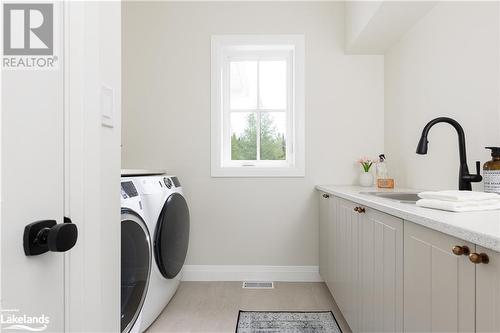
x,y
447,65
166,122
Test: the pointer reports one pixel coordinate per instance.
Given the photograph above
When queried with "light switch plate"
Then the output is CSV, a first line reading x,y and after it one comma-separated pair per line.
x,y
107,107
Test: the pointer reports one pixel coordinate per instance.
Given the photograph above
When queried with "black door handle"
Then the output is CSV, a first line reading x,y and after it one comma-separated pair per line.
x,y
47,235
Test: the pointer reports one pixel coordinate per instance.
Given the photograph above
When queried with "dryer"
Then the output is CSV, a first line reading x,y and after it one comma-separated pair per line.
x,y
136,257
167,218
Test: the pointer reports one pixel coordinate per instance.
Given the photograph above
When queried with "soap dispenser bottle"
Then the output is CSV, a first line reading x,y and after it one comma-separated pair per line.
x,y
381,167
491,172
383,180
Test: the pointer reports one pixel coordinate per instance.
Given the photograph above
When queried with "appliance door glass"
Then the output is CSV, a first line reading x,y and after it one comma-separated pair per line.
x,y
172,236
135,267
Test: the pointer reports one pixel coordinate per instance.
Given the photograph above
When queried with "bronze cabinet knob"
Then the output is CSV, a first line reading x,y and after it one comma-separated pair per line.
x,y
359,209
326,196
479,258
460,250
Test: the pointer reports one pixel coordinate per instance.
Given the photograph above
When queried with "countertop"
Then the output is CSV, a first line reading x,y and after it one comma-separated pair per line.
x,y
141,172
481,228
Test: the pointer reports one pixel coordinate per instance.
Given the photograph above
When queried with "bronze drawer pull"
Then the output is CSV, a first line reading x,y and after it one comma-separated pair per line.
x,y
479,258
460,250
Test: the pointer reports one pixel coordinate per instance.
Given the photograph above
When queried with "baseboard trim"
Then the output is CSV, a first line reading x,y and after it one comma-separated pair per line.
x,y
251,273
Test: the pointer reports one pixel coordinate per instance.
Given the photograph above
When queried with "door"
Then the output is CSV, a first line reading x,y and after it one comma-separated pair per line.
x,y
32,188
57,158
381,272
437,281
171,237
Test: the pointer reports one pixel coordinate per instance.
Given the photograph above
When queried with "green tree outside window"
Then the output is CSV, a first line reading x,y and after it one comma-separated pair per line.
x,y
272,143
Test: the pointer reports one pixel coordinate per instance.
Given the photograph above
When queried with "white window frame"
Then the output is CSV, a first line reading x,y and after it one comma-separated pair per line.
x,y
261,47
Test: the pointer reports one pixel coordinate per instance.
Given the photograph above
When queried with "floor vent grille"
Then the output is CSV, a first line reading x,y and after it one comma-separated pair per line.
x,y
258,285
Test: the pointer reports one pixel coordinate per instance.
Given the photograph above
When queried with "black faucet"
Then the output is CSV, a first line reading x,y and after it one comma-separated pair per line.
x,y
465,178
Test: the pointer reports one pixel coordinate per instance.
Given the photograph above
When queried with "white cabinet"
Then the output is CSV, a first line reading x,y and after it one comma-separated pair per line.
x,y
439,286
381,272
387,275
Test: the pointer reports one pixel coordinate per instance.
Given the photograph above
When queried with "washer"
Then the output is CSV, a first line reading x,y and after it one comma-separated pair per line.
x,y
167,218
136,257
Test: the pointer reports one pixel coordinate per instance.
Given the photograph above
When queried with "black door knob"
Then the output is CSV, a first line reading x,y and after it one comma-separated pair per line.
x,y
47,235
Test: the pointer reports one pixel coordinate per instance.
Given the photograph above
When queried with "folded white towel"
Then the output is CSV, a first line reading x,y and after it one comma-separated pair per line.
x,y
460,206
458,196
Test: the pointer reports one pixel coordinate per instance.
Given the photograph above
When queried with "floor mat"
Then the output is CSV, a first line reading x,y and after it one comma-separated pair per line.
x,y
287,322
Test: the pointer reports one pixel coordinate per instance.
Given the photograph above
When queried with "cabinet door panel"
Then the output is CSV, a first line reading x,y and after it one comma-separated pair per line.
x,y
324,231
438,285
337,253
347,287
332,245
445,290
381,273
488,293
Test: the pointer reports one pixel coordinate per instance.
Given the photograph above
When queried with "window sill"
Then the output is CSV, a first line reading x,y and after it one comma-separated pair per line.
x,y
246,172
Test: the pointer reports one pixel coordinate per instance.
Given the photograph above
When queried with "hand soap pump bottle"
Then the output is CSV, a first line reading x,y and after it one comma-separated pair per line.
x,y
383,180
491,172
381,167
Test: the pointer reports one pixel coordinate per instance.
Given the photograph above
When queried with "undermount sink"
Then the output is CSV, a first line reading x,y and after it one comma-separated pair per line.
x,y
409,197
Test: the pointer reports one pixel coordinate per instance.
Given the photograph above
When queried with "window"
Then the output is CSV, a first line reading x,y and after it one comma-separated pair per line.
x,y
258,106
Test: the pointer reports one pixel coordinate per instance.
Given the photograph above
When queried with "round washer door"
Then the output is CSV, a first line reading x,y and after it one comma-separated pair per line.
x,y
172,236
135,267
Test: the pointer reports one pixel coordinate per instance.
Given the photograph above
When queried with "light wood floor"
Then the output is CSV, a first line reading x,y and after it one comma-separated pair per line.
x,y
213,306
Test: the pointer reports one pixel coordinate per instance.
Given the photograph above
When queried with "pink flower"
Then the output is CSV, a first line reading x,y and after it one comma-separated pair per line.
x,y
366,163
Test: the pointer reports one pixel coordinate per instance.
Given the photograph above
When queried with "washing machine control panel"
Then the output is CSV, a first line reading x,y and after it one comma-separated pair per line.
x,y
167,182
176,181
129,190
